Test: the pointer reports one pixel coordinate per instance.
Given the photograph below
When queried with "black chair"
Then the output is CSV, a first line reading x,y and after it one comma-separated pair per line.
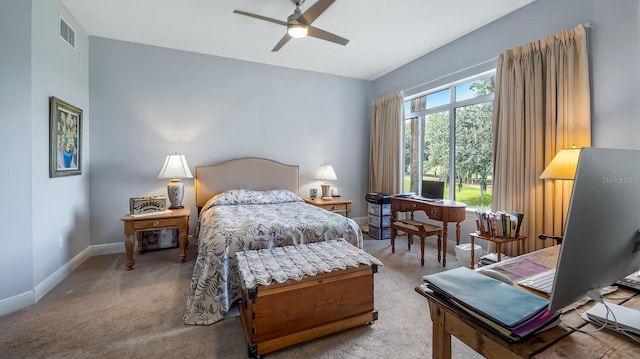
x,y
544,237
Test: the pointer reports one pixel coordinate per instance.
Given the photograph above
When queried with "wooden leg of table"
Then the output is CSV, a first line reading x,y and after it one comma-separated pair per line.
x,y
422,251
457,233
182,242
409,240
473,249
439,248
128,247
393,239
441,339
444,244
499,250
139,241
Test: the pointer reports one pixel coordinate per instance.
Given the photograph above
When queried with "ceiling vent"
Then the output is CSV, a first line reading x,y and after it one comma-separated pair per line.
x,y
67,33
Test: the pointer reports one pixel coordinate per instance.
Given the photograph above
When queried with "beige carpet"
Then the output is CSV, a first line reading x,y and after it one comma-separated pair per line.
x,y
102,311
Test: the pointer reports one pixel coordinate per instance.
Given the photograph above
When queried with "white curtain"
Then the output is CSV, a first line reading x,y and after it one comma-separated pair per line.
x,y
385,161
541,105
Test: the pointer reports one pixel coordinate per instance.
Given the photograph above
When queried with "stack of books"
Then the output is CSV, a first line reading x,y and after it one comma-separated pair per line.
x,y
491,258
506,310
498,223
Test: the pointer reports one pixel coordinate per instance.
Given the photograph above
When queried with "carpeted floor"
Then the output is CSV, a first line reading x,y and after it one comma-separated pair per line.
x,y
102,311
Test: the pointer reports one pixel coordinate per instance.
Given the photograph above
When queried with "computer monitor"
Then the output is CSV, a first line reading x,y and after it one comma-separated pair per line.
x,y
601,240
432,189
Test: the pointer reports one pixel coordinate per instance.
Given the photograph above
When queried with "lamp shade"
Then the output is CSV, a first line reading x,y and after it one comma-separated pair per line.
x,y
175,166
326,172
563,165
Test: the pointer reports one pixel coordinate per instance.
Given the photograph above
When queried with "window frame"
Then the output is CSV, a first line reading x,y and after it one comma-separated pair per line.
x,y
451,108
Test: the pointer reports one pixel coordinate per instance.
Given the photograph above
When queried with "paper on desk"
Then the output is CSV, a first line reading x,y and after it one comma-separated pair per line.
x,y
518,269
149,214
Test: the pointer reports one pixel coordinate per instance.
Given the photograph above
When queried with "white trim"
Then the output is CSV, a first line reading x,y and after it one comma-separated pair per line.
x,y
42,288
17,302
102,249
23,300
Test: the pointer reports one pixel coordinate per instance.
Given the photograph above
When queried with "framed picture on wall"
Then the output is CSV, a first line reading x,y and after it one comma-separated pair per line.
x,y
65,138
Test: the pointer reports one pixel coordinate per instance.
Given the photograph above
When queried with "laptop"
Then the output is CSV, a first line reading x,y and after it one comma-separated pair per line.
x,y
628,318
433,190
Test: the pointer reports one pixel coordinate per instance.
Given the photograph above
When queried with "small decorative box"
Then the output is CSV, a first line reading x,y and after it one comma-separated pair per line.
x,y
148,204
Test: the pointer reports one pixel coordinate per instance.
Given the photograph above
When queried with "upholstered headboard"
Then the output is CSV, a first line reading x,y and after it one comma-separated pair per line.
x,y
244,173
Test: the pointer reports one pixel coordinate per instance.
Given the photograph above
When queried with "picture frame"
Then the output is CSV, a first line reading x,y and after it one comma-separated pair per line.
x,y
65,138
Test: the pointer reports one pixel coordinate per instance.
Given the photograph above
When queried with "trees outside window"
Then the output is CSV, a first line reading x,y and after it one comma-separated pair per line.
x,y
448,137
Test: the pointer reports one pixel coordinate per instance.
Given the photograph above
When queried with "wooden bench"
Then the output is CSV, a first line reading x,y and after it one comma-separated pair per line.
x,y
412,227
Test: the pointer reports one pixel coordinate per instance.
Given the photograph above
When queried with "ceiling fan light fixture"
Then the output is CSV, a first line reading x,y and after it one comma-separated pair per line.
x,y
296,29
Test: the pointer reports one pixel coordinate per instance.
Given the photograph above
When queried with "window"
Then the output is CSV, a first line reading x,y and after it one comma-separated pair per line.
x,y
447,137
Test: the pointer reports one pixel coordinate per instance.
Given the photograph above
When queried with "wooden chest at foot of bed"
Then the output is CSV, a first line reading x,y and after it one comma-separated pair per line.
x,y
283,314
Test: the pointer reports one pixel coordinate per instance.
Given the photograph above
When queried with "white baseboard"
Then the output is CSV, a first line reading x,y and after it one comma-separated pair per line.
x,y
23,300
17,302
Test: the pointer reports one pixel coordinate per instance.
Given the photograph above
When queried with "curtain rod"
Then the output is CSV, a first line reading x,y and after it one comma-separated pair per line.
x,y
587,24
451,74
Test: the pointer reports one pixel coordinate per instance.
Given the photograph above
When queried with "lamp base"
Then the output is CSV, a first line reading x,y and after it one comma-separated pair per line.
x,y
326,191
175,189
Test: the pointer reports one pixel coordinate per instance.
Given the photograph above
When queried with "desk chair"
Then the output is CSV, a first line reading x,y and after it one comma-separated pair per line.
x,y
544,237
412,227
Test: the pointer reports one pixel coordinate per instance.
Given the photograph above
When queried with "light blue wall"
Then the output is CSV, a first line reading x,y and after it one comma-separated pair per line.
x,y
38,210
147,102
16,265
60,205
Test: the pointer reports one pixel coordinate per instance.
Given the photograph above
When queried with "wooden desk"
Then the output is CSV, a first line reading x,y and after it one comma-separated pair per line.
x,y
558,342
177,218
445,211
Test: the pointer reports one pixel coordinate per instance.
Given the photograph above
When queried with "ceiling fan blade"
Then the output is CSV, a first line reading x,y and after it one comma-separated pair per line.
x,y
325,35
275,21
314,11
281,43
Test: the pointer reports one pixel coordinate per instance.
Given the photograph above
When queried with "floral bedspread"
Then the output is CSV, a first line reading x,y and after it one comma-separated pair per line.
x,y
241,220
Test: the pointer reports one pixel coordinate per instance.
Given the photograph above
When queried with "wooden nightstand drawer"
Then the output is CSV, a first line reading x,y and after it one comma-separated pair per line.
x,y
155,223
340,205
335,207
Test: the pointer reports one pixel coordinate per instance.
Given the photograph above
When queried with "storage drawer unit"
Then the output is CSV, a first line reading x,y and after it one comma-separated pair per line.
x,y
379,215
379,233
379,221
379,209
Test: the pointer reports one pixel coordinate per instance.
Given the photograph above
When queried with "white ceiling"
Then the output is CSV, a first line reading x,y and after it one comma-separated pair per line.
x,y
383,34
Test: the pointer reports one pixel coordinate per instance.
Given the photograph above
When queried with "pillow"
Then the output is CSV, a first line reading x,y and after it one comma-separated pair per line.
x,y
246,196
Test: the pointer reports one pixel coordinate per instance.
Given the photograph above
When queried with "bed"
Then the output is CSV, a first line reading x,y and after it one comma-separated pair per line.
x,y
244,204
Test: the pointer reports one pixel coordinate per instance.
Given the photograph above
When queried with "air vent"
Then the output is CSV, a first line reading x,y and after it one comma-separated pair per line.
x,y
67,33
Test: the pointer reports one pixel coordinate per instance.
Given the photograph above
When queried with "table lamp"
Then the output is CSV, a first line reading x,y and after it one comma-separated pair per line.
x,y
175,167
326,173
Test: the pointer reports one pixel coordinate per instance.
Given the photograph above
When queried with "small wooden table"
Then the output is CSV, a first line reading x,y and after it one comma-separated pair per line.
x,y
498,240
561,341
337,204
176,218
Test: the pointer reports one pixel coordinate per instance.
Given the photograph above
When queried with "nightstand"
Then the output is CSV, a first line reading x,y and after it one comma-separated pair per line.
x,y
176,218
337,204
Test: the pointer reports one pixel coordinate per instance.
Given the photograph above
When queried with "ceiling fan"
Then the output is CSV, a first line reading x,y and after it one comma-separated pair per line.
x,y
299,24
